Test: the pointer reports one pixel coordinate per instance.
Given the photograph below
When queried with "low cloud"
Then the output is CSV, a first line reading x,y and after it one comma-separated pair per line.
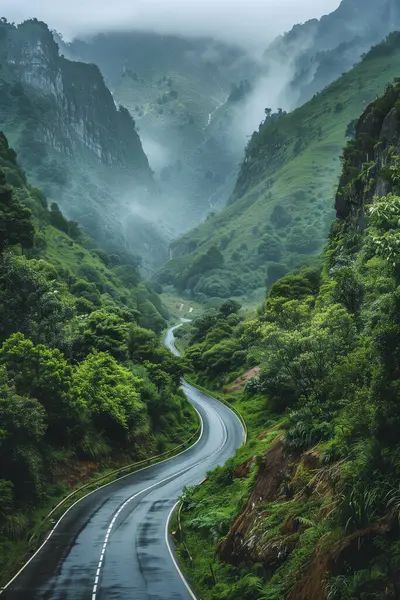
x,y
249,23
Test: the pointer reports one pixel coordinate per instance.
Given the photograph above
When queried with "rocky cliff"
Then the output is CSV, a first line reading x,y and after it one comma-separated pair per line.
x,y
370,160
75,143
85,115
180,92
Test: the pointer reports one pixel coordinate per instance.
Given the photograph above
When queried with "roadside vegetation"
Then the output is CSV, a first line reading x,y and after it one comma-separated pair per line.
x,y
309,509
84,381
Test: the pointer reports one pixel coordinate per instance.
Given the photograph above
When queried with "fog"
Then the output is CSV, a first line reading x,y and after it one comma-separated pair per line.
x,y
190,181
250,23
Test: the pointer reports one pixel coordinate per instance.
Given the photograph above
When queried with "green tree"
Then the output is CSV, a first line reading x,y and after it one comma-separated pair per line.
x,y
22,427
103,331
229,307
15,219
141,343
30,301
112,394
44,374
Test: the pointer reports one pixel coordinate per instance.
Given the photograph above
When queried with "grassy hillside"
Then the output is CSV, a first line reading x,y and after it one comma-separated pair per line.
x,y
309,508
280,213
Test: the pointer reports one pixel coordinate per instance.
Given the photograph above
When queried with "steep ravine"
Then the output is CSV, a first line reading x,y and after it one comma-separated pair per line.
x,y
282,206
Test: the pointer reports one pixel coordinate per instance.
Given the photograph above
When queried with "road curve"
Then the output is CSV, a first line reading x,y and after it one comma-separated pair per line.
x,y
114,544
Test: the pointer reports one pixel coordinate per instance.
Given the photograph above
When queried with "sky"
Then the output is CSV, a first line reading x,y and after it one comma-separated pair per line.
x,y
249,23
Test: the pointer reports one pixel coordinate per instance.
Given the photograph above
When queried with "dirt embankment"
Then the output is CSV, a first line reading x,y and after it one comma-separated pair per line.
x,y
284,477
240,382
242,541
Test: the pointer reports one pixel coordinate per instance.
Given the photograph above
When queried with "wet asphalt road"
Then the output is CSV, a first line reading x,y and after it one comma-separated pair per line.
x,y
113,544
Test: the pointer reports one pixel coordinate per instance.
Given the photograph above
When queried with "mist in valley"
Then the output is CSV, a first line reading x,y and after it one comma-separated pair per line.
x,y
196,79
197,85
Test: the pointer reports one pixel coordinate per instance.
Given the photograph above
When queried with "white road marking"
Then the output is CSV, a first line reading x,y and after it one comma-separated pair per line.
x,y
149,488
121,508
7,585
99,566
181,575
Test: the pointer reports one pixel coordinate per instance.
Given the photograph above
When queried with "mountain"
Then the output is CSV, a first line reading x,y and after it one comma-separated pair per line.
x,y
314,54
281,209
196,101
309,507
74,142
183,95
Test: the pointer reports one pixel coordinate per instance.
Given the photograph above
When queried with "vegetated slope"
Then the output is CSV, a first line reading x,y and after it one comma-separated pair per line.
x,y
84,381
281,209
175,88
74,142
309,509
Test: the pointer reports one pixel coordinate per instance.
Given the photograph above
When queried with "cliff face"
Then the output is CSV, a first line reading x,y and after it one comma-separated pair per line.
x,y
179,91
85,115
369,160
76,144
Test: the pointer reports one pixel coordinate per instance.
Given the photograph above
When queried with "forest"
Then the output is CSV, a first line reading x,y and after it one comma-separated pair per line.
x,y
85,384
314,496
199,302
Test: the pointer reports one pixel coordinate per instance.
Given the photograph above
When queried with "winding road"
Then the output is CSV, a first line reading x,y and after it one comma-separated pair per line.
x,y
114,543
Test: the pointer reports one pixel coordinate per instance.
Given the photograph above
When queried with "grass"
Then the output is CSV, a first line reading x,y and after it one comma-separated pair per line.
x,y
209,509
180,307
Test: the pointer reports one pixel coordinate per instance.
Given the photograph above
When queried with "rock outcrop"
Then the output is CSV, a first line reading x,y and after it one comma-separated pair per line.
x,y
84,112
76,144
369,158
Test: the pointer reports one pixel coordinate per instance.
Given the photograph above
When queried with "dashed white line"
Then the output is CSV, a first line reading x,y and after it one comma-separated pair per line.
x,y
101,560
96,490
151,487
121,508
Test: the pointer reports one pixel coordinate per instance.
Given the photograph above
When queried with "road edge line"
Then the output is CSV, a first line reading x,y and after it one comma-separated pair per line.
x,y
172,555
7,585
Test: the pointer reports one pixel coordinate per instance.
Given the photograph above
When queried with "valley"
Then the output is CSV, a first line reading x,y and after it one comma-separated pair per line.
x,y
199,301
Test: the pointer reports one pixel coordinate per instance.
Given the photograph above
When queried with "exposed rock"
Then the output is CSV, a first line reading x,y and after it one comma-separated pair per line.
x,y
241,381
377,140
85,110
76,145
326,562
243,469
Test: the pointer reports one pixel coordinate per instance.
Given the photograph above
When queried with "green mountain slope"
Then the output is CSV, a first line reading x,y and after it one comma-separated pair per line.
x,y
281,209
309,508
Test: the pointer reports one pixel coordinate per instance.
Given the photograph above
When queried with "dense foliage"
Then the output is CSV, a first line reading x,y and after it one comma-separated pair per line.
x,y
326,342
83,383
